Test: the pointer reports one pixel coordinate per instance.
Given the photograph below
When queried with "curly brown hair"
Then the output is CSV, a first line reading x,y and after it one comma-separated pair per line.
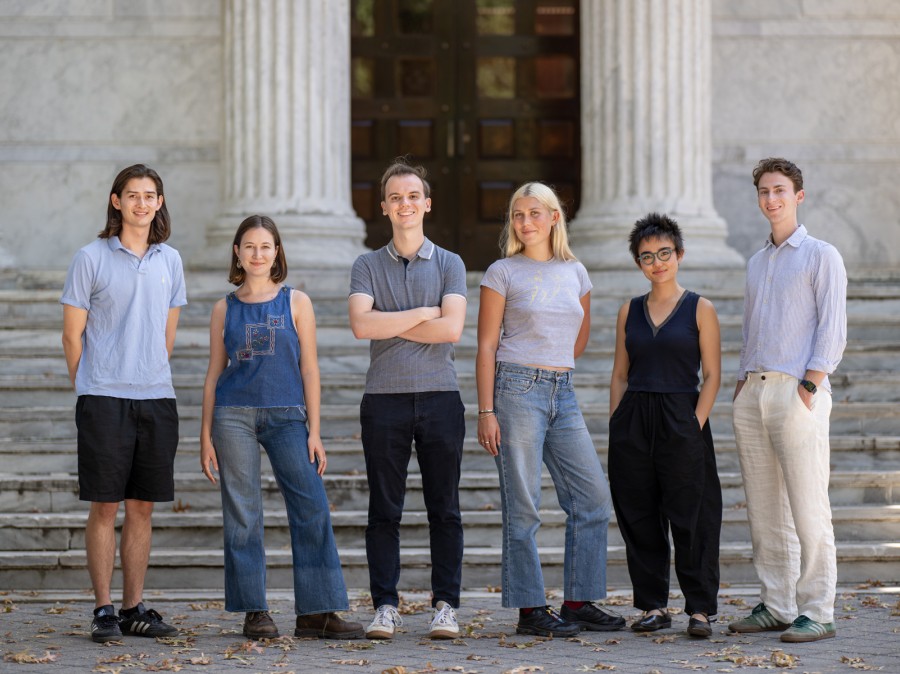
x,y
779,165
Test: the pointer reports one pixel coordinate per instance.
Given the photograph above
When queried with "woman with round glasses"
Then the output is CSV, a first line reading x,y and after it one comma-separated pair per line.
x,y
662,464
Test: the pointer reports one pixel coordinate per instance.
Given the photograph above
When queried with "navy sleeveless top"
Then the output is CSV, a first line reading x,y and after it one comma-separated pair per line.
x,y
263,355
664,359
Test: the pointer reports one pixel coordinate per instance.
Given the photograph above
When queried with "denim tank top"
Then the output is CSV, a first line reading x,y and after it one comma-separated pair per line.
x,y
263,355
665,359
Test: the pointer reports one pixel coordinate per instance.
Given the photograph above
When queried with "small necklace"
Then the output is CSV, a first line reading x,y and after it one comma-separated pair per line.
x,y
266,298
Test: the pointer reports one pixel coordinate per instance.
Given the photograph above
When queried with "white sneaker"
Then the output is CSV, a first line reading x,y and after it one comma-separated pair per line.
x,y
444,625
386,619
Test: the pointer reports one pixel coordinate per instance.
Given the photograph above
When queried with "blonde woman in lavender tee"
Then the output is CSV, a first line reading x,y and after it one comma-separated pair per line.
x,y
533,322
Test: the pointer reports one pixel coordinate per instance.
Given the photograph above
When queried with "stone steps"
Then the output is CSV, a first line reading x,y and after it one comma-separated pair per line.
x,y
182,567
342,421
479,490
345,387
43,457
65,531
43,521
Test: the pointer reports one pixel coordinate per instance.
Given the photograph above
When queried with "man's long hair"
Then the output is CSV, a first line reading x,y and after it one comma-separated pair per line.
x,y
160,228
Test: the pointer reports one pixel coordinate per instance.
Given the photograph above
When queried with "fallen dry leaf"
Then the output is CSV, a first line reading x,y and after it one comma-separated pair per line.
x,y
667,639
166,665
523,669
360,663
208,605
179,507
782,659
413,607
873,602
858,663
619,600
201,660
599,667
26,658
57,610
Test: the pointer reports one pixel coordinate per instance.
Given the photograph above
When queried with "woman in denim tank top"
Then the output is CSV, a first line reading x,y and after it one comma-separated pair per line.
x,y
539,294
262,388
662,464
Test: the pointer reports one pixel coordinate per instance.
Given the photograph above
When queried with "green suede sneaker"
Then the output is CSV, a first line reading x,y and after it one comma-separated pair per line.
x,y
759,620
804,629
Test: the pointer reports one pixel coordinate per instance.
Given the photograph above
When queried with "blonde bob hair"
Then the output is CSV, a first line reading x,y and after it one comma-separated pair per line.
x,y
559,236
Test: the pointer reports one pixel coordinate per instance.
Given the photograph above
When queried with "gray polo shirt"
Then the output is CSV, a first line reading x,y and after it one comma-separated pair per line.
x,y
398,365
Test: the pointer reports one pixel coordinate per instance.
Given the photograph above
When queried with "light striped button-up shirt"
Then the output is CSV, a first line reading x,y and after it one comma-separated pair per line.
x,y
795,308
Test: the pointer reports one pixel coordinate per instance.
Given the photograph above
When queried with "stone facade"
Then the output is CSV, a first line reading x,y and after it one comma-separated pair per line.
x,y
89,86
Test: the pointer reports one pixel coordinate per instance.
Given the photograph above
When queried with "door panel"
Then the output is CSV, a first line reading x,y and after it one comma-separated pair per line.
x,y
483,93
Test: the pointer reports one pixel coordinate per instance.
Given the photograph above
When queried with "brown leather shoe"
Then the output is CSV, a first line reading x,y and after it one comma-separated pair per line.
x,y
327,626
259,625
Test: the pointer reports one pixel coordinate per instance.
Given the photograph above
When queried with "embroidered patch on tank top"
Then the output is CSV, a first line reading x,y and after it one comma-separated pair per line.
x,y
261,337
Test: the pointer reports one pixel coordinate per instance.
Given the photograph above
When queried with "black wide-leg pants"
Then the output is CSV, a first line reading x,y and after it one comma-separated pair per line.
x,y
662,473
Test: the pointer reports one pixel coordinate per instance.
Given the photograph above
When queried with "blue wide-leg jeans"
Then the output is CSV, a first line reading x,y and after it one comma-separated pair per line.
x,y
237,433
540,421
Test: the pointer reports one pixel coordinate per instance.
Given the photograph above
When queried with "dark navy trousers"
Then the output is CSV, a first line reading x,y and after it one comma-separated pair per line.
x,y
391,423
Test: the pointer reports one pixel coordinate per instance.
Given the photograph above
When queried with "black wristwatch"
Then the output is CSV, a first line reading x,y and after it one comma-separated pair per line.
x,y
808,385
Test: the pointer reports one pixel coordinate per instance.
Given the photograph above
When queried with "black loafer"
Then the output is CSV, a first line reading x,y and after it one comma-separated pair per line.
x,y
652,622
699,628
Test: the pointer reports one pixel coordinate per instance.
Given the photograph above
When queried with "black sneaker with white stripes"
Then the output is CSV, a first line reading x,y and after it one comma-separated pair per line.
x,y
105,625
144,622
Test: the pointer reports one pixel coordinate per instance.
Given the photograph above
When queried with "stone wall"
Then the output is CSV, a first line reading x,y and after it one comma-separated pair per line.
x,y
815,81
89,86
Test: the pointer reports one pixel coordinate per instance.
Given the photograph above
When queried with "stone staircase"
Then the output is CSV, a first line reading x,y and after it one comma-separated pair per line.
x,y
42,521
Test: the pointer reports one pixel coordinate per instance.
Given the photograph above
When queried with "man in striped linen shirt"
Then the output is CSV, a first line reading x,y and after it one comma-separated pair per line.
x,y
794,333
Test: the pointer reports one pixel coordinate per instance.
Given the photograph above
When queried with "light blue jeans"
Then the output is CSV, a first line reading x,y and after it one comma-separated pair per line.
x,y
540,421
237,433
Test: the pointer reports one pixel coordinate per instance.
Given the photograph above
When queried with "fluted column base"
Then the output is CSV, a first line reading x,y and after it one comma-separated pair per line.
x,y
601,241
321,240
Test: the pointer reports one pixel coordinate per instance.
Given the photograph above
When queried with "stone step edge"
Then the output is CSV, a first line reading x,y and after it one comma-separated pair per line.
x,y
468,479
342,444
278,517
840,409
869,551
57,381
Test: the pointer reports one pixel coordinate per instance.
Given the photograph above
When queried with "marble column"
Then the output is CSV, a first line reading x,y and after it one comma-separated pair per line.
x,y
286,135
646,139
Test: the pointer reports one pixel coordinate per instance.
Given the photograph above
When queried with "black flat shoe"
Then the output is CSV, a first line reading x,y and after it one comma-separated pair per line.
x,y
652,622
699,628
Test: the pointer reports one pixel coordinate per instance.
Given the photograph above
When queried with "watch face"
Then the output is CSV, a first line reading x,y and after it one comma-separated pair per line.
x,y
809,386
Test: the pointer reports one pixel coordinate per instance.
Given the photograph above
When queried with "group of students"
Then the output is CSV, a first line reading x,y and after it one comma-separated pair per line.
x,y
121,303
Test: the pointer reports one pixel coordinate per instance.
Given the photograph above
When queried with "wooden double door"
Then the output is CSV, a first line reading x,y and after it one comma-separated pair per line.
x,y
483,93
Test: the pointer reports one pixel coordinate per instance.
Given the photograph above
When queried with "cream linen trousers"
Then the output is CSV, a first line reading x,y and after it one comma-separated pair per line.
x,y
784,453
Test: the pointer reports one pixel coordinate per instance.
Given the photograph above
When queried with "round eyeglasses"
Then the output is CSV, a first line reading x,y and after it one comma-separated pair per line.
x,y
663,254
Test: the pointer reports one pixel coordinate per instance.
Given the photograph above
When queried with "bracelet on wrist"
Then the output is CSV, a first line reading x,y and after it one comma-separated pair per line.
x,y
484,413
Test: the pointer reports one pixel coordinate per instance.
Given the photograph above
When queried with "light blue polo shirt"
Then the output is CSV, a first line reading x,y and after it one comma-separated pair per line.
x,y
128,300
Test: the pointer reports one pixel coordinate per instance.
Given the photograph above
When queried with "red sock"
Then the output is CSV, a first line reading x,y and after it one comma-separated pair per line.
x,y
526,611
574,605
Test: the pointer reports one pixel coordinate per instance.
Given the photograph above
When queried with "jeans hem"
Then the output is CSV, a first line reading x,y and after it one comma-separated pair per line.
x,y
345,607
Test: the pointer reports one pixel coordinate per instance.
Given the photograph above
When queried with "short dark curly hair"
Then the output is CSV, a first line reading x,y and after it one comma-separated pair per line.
x,y
653,226
779,165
